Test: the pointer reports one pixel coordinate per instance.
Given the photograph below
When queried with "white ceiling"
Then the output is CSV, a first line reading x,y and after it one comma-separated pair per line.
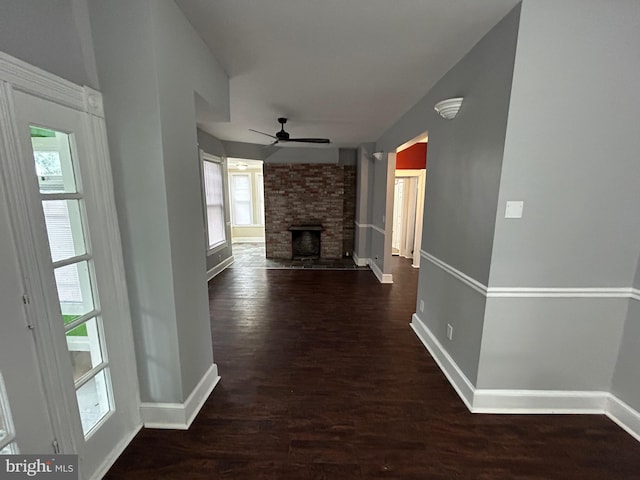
x,y
341,69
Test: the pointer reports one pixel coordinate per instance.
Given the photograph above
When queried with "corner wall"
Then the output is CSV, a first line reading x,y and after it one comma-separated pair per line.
x,y
560,275
151,63
465,159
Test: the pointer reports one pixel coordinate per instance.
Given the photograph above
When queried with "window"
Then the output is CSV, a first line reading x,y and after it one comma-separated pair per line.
x,y
242,211
214,201
260,198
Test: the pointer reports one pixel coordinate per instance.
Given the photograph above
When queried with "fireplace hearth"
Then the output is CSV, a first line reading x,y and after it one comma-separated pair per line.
x,y
305,241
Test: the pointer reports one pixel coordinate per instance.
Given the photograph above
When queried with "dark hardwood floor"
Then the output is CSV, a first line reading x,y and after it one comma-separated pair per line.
x,y
322,378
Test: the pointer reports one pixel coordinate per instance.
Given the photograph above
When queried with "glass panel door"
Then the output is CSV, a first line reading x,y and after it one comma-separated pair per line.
x,y
64,211
76,256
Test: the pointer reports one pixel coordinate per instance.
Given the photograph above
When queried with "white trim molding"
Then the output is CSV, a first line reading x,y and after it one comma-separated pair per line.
x,y
111,458
512,401
626,417
464,278
212,272
361,262
533,292
382,277
449,367
371,226
180,416
248,239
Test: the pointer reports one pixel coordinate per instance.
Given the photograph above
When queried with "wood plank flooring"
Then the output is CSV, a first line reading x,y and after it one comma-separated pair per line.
x,y
322,378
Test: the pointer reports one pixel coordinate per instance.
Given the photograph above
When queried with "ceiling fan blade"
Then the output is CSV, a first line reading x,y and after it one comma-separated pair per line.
x,y
262,133
310,140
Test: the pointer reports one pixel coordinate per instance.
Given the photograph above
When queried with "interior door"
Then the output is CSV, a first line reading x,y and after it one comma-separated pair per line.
x,y
92,389
25,424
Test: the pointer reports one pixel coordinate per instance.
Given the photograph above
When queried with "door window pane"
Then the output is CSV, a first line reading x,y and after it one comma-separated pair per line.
x,y
83,343
93,401
74,290
52,156
7,433
64,228
10,449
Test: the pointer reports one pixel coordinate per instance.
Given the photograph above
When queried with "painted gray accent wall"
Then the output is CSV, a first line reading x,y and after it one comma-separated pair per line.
x,y
465,157
465,154
185,65
347,156
363,198
149,73
626,379
303,155
449,301
572,148
250,151
213,146
54,35
550,343
127,72
580,225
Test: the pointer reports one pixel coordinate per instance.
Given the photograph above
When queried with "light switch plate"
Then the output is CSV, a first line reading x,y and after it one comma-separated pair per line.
x,y
514,209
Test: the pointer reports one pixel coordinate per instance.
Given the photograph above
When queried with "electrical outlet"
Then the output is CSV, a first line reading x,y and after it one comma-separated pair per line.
x,y
422,305
449,331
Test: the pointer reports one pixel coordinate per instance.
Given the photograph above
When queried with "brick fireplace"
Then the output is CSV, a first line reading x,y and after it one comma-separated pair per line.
x,y
309,194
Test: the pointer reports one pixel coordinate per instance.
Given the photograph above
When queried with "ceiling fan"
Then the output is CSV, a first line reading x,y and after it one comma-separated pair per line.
x,y
282,136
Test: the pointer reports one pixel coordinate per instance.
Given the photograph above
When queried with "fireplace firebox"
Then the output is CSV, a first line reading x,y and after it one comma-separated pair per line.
x,y
305,241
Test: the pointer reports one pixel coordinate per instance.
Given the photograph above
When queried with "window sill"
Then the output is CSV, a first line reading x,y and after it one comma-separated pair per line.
x,y
217,248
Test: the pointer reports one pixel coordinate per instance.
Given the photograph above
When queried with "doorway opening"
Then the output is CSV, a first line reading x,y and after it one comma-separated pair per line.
x,y
246,201
408,199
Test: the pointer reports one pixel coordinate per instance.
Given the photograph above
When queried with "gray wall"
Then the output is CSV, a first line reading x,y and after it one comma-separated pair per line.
x,y
364,199
572,148
213,146
626,379
149,74
571,155
185,65
465,157
303,155
58,39
347,156
465,154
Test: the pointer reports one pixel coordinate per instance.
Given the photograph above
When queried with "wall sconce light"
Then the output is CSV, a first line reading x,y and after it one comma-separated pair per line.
x,y
448,108
378,155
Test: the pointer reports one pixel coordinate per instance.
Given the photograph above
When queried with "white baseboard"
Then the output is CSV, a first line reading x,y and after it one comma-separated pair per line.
x,y
382,277
179,416
361,262
504,401
626,417
248,240
111,458
539,401
456,377
220,267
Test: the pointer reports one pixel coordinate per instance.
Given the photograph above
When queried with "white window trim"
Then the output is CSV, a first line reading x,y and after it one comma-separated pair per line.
x,y
207,157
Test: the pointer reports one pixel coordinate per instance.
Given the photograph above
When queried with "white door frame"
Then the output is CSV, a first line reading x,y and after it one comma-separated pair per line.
x,y
16,75
421,176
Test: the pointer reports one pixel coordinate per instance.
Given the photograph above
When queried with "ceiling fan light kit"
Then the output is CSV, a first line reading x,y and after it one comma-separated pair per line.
x,y
449,108
281,136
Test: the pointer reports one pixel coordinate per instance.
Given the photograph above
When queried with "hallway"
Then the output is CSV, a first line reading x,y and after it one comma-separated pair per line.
x,y
322,378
